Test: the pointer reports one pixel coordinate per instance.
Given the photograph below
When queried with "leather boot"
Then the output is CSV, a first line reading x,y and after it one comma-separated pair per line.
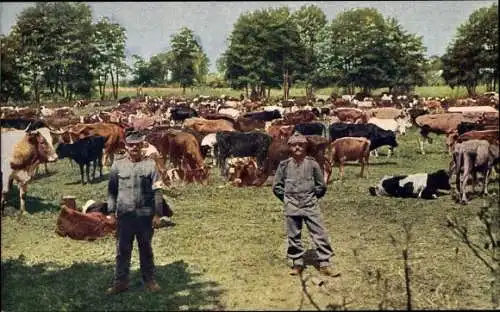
x,y
152,286
117,288
296,270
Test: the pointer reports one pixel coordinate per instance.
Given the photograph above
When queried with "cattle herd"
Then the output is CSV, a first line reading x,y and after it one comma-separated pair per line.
x,y
246,139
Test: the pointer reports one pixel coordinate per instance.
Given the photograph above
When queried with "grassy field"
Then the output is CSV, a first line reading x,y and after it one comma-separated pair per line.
x,y
227,248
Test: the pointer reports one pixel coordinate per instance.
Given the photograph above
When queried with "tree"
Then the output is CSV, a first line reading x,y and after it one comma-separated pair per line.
x,y
11,84
264,51
188,63
54,48
109,54
141,71
473,54
310,20
362,49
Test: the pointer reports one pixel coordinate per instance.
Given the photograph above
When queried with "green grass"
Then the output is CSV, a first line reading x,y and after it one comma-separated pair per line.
x,y
228,248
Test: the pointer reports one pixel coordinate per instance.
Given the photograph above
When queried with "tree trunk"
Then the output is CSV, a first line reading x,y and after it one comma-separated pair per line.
x,y
285,85
471,90
116,86
269,93
246,90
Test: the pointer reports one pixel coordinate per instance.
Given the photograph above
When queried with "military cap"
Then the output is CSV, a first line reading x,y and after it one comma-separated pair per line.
x,y
134,137
297,138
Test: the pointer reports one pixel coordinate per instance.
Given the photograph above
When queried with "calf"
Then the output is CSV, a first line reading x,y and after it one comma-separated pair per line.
x,y
472,157
350,149
420,185
84,151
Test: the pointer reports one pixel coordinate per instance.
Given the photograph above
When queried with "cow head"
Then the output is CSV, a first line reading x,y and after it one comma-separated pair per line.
x,y
44,150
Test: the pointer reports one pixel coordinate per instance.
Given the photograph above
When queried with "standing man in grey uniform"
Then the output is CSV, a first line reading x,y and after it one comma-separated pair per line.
x,y
134,194
299,184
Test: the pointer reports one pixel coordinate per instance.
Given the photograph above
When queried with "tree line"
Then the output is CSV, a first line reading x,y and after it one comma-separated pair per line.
x,y
55,51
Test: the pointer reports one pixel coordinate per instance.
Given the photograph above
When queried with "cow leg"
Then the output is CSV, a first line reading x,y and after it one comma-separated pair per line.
x,y
81,173
421,144
390,152
22,197
87,171
374,152
341,169
486,180
467,171
46,169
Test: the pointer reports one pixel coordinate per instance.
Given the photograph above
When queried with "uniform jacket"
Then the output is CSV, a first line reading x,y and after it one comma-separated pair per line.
x,y
299,186
132,187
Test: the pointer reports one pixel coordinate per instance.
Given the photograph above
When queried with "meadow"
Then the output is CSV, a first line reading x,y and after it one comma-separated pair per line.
x,y
227,249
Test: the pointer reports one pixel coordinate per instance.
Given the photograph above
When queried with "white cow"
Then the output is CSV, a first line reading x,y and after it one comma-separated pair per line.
x,y
234,113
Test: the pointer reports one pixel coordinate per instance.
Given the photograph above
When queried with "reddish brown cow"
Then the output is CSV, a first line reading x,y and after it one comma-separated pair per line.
x,y
114,134
350,115
301,116
282,132
350,149
184,152
247,124
206,126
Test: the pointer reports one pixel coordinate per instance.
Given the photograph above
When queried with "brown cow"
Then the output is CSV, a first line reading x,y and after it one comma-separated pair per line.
x,y
243,171
444,123
184,152
206,126
301,116
247,124
282,132
114,134
350,115
491,136
279,150
350,149
22,152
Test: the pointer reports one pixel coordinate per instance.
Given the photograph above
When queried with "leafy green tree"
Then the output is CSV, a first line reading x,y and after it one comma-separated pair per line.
x,y
361,49
264,51
473,54
141,71
11,82
188,64
54,48
109,40
310,20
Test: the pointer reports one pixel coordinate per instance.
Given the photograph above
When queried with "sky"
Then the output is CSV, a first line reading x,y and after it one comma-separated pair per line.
x,y
150,25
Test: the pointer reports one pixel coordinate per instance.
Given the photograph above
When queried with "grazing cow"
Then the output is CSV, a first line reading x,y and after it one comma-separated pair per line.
x,y
444,123
240,145
350,149
378,137
300,116
420,185
264,115
397,126
386,113
311,128
205,126
114,134
350,115
22,152
184,153
472,157
247,124
280,150
280,131
83,152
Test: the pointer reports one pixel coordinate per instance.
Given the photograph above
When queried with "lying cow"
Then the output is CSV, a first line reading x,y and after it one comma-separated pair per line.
x,y
420,185
472,157
350,149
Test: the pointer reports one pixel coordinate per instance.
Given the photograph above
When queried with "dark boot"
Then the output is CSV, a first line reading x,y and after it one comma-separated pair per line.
x,y
152,286
117,288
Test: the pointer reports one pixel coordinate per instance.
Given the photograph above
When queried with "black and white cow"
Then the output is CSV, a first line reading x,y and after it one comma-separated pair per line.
x,y
420,185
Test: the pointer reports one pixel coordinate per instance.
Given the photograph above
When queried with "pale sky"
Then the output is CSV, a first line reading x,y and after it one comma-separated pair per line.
x,y
150,25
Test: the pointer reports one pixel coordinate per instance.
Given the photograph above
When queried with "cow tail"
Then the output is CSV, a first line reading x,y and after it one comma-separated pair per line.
x,y
458,167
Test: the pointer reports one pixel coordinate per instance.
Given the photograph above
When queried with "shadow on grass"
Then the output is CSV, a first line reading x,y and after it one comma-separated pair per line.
x,y
81,286
33,204
44,174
